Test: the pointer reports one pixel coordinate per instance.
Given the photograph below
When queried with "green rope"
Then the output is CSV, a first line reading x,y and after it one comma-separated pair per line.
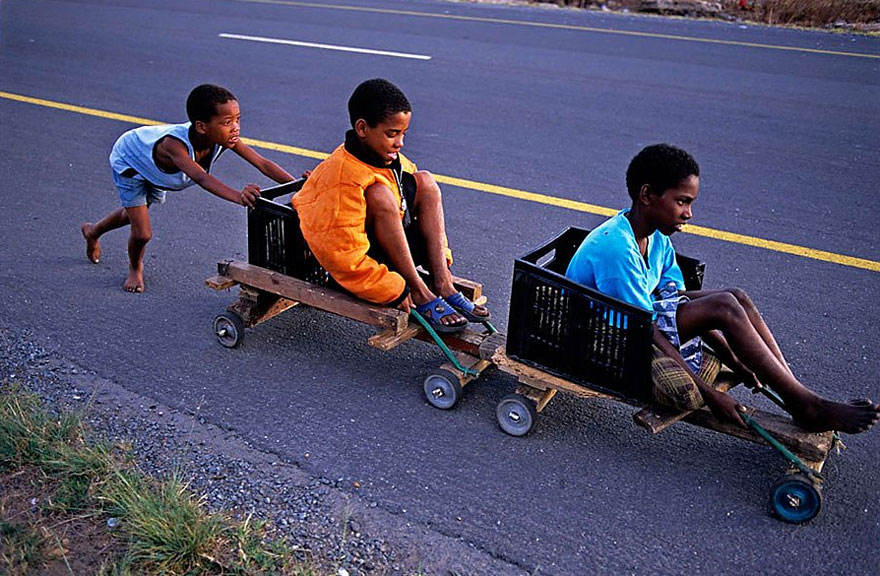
x,y
797,462
769,393
442,344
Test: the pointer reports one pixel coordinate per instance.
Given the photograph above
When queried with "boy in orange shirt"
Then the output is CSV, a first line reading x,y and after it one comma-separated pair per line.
x,y
371,217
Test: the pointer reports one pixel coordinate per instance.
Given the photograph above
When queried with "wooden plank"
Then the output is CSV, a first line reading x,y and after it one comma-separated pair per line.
x,y
389,339
540,397
491,344
467,341
810,446
656,419
470,362
255,307
312,295
220,282
538,378
473,291
280,304
816,465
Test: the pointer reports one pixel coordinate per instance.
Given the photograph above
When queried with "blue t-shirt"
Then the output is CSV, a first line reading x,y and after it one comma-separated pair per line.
x,y
608,260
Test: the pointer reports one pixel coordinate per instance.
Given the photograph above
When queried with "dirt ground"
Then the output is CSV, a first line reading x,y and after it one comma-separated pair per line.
x,y
39,541
840,15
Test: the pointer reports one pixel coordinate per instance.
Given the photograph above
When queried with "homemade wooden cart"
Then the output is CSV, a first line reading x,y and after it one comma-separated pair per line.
x,y
565,337
562,336
281,272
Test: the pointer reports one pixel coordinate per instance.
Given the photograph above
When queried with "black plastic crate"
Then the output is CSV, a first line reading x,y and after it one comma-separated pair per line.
x,y
276,242
577,333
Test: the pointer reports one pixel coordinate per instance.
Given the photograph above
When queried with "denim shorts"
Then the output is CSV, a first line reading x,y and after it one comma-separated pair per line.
x,y
136,192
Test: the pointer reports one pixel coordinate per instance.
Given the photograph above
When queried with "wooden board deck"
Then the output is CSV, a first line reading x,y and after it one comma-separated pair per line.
x,y
312,295
656,419
813,448
293,290
493,348
810,446
467,341
220,282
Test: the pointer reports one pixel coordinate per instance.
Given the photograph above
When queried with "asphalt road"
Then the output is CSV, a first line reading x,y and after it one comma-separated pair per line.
x,y
786,128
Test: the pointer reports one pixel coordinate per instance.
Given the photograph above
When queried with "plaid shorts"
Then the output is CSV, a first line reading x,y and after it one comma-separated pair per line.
x,y
673,386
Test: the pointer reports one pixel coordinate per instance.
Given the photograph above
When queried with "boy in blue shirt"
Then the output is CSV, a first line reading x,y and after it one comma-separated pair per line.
x,y
148,161
630,257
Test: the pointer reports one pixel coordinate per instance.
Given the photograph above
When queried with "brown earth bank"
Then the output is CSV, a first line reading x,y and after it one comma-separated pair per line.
x,y
843,15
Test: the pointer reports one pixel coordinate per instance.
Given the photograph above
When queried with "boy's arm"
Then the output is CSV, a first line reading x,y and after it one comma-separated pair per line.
x,y
721,404
264,165
176,152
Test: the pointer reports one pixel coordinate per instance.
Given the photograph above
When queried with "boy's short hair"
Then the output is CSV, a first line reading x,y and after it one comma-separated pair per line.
x,y
375,100
661,166
202,102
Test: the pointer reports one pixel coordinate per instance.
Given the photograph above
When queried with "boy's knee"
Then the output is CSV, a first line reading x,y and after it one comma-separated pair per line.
x,y
426,185
742,297
728,305
142,235
424,178
380,199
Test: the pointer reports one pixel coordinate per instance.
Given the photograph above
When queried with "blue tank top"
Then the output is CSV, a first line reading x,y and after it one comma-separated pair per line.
x,y
133,155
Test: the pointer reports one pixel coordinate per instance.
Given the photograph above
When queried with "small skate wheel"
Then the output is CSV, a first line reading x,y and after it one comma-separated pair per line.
x,y
442,389
516,414
229,329
795,499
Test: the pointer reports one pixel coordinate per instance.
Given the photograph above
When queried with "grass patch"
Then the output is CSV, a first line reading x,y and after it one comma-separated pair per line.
x,y
58,490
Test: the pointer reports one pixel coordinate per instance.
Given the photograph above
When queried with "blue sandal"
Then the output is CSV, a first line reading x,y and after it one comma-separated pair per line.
x,y
434,311
466,308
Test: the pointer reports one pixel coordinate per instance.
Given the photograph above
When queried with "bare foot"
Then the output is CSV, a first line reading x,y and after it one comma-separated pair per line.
x,y
481,311
93,247
852,418
134,282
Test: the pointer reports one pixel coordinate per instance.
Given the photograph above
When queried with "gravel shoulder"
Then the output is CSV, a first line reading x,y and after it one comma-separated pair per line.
x,y
326,521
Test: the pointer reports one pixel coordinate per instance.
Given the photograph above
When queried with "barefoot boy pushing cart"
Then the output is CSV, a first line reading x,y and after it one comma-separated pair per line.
x,y
148,161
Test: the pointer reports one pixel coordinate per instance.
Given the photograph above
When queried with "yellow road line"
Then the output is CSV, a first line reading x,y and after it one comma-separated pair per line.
x,y
147,122
575,205
80,109
732,237
559,27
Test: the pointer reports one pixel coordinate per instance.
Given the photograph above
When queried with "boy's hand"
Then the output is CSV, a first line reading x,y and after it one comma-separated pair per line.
x,y
725,407
406,305
248,195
